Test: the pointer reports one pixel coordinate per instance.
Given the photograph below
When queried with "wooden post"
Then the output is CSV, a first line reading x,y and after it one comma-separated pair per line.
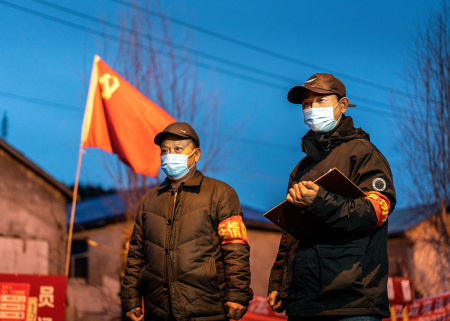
x,y
405,313
72,212
393,313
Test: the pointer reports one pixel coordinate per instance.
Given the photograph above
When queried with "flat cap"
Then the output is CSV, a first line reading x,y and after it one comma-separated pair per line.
x,y
180,129
319,83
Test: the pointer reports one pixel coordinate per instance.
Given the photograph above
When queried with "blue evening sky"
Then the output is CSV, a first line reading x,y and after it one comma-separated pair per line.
x,y
46,57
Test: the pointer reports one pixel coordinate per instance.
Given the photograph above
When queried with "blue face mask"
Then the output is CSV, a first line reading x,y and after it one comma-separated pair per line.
x,y
320,119
175,165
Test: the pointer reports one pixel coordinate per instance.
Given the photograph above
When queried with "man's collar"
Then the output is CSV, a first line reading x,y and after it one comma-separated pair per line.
x,y
195,180
317,145
344,125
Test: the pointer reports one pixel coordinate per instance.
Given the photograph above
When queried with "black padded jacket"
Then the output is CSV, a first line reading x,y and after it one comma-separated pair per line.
x,y
176,258
341,266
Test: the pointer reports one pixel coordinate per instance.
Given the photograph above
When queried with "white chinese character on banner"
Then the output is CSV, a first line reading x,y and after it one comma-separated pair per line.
x,y
46,297
44,319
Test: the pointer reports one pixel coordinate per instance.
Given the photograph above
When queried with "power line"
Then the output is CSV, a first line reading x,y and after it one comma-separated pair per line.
x,y
180,47
48,103
258,48
116,38
240,140
112,37
41,102
200,53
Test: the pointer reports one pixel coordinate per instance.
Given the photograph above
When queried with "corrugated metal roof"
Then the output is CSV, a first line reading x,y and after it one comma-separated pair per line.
x,y
100,208
402,220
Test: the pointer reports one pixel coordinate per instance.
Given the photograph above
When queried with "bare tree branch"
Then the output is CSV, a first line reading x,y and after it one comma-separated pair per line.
x,y
152,66
426,146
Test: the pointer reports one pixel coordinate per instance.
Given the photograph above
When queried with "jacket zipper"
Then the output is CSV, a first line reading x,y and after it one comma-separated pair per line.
x,y
168,238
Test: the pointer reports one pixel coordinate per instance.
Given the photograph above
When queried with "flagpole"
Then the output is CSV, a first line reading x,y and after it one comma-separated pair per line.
x,y
72,212
84,132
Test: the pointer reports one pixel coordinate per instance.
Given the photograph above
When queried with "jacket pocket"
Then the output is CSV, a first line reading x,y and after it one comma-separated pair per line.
x,y
287,273
340,270
211,274
199,282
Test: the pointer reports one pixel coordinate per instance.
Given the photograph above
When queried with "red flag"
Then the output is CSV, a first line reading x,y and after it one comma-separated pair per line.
x,y
121,120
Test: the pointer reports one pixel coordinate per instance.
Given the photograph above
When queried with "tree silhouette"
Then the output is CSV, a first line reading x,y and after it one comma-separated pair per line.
x,y
426,147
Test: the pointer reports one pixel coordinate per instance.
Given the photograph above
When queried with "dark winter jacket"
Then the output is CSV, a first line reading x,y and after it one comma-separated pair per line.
x,y
341,266
176,254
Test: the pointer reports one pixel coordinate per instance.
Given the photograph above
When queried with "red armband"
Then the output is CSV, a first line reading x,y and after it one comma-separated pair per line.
x,y
381,205
232,230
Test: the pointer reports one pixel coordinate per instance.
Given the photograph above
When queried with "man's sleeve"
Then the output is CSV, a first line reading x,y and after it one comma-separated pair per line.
x,y
276,273
373,176
130,295
235,248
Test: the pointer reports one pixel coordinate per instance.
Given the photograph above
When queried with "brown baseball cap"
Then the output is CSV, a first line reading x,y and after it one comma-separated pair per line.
x,y
319,83
180,129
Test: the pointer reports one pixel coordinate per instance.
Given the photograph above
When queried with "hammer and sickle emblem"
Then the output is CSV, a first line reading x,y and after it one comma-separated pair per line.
x,y
107,88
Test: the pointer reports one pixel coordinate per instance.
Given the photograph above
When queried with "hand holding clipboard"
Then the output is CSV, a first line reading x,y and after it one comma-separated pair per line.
x,y
288,216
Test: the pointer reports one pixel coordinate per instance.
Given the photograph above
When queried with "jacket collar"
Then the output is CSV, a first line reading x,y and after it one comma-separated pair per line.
x,y
318,146
194,181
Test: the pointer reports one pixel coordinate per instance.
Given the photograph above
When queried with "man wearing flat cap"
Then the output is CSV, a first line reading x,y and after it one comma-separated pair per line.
x,y
188,256
339,269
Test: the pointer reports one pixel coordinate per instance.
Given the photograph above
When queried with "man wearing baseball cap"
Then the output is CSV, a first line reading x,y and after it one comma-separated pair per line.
x,y
188,256
339,270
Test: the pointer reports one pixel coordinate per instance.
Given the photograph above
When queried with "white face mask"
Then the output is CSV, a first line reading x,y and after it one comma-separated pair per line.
x,y
175,165
320,119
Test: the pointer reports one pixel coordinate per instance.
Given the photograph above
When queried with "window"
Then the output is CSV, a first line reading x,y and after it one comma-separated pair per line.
x,y
79,262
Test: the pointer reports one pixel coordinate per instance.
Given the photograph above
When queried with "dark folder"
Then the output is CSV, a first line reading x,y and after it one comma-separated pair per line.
x,y
289,217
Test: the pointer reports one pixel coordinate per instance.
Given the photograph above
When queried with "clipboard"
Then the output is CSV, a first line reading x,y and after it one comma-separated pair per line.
x,y
289,217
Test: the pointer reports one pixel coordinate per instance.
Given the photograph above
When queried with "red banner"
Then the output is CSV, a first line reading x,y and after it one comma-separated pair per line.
x,y
26,297
436,308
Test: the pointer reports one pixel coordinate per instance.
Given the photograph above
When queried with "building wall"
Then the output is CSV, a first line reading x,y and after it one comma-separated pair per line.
x,y
97,297
25,256
33,212
103,282
104,251
430,261
263,251
399,252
